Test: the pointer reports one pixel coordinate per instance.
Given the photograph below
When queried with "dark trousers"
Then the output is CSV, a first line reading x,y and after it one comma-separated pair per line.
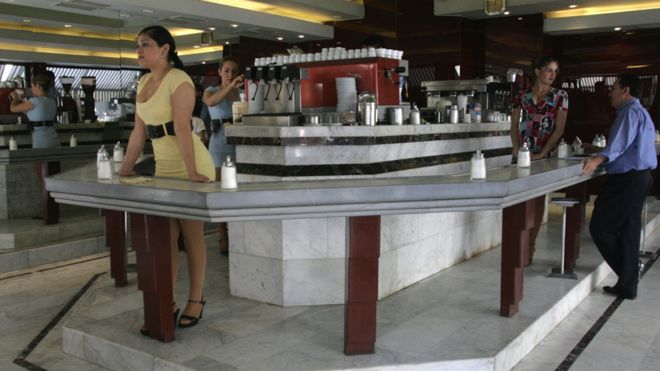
x,y
616,224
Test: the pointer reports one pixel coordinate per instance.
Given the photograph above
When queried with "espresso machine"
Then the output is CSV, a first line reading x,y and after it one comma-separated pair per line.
x,y
67,107
88,85
284,95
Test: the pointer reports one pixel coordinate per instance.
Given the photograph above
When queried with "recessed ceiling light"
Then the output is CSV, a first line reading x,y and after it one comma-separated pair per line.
x,y
301,36
617,28
124,15
68,26
234,25
203,62
147,11
520,18
226,42
507,13
573,6
196,46
27,20
211,28
280,38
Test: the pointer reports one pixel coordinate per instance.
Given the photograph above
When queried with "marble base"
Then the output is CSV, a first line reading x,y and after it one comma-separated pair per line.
x,y
449,321
302,262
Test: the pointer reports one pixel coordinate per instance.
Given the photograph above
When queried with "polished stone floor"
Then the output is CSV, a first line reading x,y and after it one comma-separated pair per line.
x,y
448,321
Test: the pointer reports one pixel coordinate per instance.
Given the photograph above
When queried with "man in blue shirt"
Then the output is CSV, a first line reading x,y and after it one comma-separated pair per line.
x,y
628,158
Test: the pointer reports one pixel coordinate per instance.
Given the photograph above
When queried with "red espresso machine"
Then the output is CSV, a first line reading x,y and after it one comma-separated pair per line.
x,y
311,88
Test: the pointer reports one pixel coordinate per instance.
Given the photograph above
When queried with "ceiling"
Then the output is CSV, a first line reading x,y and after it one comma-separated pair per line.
x,y
103,31
588,16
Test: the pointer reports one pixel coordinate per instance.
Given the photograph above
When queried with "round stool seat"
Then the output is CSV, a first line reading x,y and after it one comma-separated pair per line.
x,y
564,201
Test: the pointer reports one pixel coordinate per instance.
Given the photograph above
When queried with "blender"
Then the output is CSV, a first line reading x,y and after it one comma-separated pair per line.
x,y
67,103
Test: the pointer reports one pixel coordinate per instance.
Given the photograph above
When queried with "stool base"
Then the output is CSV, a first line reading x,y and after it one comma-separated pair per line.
x,y
568,273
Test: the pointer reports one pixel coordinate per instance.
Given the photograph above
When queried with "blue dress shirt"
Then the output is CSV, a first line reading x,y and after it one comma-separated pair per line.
x,y
631,142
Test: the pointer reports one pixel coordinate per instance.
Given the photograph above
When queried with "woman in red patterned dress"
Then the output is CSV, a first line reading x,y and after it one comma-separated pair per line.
x,y
538,118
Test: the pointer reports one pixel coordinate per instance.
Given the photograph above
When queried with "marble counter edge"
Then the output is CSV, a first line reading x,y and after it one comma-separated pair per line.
x,y
285,200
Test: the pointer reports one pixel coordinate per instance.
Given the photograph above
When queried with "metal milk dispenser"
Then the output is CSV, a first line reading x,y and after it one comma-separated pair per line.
x,y
366,108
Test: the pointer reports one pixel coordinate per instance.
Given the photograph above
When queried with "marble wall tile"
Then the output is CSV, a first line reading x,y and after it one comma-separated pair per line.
x,y
388,276
262,238
337,239
305,238
261,155
256,278
314,281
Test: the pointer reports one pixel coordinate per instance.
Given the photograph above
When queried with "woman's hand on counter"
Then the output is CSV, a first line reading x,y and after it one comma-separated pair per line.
x,y
199,178
537,156
123,172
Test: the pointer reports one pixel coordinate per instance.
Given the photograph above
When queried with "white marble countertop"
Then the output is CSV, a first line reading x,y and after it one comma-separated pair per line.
x,y
504,186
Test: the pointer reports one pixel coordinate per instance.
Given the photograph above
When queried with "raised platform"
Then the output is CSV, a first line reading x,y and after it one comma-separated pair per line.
x,y
26,242
448,321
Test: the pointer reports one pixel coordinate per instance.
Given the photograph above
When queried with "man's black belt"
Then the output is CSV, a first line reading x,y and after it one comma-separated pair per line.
x,y
217,123
41,123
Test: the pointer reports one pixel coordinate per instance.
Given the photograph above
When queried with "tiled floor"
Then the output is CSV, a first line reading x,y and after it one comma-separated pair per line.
x,y
415,326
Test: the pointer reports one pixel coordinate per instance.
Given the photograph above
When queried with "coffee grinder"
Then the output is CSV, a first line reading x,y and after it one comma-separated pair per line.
x,y
88,84
67,103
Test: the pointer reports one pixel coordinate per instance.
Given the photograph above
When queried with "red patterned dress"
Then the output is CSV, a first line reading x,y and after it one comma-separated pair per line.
x,y
537,121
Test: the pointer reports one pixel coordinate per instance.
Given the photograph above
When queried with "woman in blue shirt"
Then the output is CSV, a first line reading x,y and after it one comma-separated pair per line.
x,y
219,100
41,110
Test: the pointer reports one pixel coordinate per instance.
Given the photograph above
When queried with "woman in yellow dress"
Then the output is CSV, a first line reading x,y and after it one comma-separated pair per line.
x,y
165,101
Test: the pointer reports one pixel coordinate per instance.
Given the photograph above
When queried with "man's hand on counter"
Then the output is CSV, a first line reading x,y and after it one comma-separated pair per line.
x,y
591,164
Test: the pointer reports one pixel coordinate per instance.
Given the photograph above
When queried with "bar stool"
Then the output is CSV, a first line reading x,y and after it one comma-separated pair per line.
x,y
642,243
564,203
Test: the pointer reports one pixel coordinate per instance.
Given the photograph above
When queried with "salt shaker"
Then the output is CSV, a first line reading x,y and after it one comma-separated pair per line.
x,y
12,144
414,117
228,174
577,146
562,149
73,141
524,156
596,141
603,141
478,166
118,153
19,120
100,153
104,170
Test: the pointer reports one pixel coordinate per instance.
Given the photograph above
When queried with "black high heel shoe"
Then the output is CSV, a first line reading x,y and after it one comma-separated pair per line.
x,y
145,332
193,320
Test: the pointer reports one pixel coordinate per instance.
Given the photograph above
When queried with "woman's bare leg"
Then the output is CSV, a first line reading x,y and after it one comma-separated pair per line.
x,y
193,236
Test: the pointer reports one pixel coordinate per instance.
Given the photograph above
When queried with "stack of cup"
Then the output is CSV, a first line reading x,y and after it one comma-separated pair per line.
x,y
346,94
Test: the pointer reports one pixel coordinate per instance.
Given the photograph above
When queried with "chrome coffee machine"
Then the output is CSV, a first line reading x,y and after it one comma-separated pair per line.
x,y
88,84
67,104
488,99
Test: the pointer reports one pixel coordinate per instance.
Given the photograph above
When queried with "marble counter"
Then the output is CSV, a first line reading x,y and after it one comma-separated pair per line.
x,y
272,260
362,200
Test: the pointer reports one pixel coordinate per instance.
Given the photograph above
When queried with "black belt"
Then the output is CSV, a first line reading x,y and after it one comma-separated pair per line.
x,y
159,131
41,123
218,122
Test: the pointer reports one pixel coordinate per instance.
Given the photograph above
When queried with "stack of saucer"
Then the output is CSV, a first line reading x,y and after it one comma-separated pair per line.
x,y
346,94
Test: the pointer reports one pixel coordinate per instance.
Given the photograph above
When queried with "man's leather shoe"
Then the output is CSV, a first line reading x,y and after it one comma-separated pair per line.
x,y
613,290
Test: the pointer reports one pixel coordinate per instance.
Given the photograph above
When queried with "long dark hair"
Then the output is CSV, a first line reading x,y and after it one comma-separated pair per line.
x,y
543,61
162,36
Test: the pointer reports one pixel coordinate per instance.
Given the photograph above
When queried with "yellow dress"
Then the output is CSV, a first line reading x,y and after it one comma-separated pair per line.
x,y
157,111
